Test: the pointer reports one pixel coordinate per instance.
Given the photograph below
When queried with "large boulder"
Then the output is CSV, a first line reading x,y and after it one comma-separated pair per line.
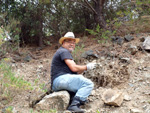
x,y
57,101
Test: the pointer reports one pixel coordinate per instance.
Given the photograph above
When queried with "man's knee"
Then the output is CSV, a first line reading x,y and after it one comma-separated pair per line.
x,y
91,84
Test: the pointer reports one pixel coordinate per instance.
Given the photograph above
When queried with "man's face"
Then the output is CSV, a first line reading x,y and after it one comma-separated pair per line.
x,y
69,44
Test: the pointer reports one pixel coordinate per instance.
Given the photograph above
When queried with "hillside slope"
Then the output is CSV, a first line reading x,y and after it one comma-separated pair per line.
x,y
125,67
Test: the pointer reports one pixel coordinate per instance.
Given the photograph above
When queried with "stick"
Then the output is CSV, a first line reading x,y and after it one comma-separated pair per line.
x,y
38,99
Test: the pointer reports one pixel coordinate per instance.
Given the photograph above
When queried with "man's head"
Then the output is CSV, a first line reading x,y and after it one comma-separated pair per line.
x,y
69,41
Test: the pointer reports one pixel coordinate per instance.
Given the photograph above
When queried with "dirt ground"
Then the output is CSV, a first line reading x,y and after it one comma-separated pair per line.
x,y
135,85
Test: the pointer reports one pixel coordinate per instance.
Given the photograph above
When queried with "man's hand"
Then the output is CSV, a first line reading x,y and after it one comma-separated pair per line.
x,y
91,66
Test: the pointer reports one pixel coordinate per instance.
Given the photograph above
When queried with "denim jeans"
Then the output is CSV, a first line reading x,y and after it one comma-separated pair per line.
x,y
74,83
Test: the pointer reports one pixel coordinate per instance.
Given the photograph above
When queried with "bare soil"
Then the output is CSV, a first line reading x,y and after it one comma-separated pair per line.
x,y
134,83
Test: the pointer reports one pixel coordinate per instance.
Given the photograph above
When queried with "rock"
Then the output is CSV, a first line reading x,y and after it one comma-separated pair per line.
x,y
117,40
57,100
128,38
142,39
131,85
127,97
133,49
112,97
88,54
125,60
146,75
135,110
146,108
113,38
17,58
120,41
67,111
27,58
146,43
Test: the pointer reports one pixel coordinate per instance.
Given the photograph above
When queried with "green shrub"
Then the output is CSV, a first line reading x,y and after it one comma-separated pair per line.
x,y
77,52
100,34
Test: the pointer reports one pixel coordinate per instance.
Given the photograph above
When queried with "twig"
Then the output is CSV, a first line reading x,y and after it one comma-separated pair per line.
x,y
38,99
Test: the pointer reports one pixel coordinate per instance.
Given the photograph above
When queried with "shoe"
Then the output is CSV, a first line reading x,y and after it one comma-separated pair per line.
x,y
75,106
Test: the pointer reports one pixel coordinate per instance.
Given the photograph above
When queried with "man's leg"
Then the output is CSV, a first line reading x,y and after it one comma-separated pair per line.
x,y
75,83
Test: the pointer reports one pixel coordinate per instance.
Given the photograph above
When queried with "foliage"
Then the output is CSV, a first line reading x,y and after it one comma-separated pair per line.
x,y
143,7
63,16
3,42
77,52
14,30
9,109
2,36
100,34
9,37
28,18
35,20
39,19
98,111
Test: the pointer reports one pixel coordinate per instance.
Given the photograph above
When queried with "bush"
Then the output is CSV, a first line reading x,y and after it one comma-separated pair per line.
x,y
100,34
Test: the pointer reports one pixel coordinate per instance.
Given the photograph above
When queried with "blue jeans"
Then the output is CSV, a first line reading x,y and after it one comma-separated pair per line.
x,y
74,83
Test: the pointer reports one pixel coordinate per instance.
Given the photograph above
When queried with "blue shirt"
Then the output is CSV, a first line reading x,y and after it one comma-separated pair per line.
x,y
58,65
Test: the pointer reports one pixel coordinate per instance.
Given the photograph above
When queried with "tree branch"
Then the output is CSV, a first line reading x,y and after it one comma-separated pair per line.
x,y
82,4
94,1
90,7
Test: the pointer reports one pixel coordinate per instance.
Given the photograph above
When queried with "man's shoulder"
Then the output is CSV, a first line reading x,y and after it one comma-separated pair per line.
x,y
61,49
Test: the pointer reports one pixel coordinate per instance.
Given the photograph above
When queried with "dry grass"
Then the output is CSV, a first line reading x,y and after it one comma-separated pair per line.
x,y
10,85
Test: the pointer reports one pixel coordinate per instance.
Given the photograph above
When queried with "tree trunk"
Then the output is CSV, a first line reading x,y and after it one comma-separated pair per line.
x,y
87,20
99,17
40,33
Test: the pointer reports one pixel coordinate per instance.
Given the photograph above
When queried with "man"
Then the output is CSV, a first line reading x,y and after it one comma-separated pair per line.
x,y
65,73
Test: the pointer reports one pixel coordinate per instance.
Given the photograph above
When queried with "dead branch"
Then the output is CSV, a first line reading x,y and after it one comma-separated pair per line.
x,y
38,99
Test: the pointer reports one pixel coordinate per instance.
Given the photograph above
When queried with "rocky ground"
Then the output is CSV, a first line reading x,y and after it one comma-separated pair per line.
x,y
123,65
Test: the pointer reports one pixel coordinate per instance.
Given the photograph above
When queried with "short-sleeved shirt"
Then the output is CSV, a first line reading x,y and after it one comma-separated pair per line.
x,y
58,65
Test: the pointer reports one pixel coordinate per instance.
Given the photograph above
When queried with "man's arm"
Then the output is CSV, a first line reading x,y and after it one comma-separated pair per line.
x,y
74,67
